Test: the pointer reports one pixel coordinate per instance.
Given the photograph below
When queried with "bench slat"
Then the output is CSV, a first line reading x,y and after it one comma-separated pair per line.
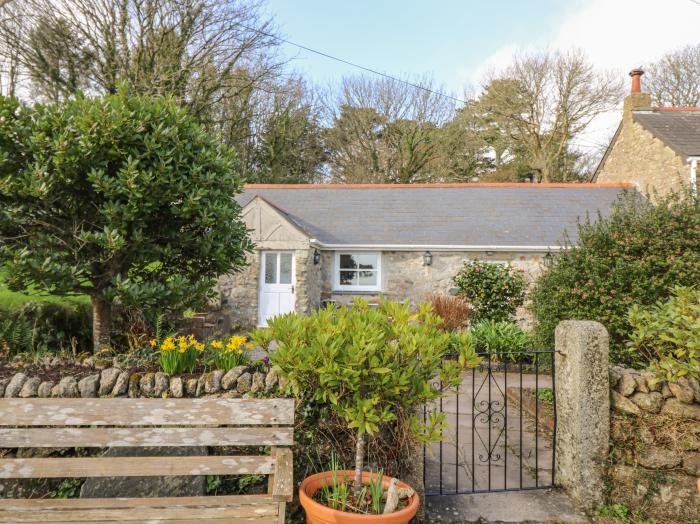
x,y
145,513
139,437
145,412
230,520
283,482
134,466
131,502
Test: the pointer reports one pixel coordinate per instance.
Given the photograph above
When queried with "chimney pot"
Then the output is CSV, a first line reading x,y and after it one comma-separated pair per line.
x,y
636,75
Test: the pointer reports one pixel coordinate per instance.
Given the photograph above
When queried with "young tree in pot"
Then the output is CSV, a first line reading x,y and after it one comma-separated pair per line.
x,y
373,366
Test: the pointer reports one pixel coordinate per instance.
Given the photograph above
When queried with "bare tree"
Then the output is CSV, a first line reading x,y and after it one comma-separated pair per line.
x,y
674,80
384,130
546,100
193,50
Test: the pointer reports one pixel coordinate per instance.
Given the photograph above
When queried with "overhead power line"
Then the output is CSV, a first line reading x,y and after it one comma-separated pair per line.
x,y
358,66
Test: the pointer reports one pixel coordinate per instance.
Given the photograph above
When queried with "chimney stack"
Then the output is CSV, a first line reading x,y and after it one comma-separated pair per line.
x,y
636,99
636,75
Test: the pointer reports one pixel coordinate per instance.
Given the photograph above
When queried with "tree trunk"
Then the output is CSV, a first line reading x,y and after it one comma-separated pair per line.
x,y
359,462
101,323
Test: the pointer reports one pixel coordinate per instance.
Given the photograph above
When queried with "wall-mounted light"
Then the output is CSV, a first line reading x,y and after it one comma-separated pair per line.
x,y
427,258
548,259
317,257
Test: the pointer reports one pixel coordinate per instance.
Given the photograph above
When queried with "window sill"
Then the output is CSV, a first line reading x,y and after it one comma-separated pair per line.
x,y
348,292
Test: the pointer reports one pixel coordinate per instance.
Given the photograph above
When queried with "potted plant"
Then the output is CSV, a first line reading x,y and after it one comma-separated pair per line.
x,y
373,366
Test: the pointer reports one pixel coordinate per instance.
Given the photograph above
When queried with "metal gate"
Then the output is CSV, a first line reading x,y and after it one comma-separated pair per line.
x,y
500,428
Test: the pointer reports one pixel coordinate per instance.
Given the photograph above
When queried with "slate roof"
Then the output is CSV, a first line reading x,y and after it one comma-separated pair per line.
x,y
678,128
499,215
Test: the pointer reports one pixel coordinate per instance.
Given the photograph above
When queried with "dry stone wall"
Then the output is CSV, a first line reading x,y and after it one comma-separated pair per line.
x,y
655,454
241,381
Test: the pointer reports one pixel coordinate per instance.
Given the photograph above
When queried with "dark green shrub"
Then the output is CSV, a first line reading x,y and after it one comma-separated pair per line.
x,y
494,290
505,340
46,326
667,334
635,256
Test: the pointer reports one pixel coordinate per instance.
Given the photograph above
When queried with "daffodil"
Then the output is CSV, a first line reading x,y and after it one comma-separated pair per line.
x,y
168,344
153,342
217,344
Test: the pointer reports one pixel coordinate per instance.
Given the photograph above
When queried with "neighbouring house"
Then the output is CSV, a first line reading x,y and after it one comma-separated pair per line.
x,y
330,243
654,148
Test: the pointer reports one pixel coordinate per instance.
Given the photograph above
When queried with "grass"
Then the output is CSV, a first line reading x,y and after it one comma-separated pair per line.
x,y
12,299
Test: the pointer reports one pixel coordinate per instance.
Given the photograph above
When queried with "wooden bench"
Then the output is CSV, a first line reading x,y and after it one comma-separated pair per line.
x,y
123,422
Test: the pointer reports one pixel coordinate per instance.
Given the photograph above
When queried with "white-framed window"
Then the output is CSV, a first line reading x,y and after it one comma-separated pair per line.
x,y
357,271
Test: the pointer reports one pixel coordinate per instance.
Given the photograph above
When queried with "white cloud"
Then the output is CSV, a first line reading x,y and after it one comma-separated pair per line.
x,y
618,35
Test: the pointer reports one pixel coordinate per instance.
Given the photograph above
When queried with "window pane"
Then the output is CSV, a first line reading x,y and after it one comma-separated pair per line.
x,y
285,268
270,268
368,278
348,278
366,260
347,261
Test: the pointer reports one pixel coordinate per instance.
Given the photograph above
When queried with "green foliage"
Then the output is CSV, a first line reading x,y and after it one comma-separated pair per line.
x,y
376,490
545,395
667,334
617,511
635,256
67,489
505,340
494,290
38,327
463,344
371,365
121,198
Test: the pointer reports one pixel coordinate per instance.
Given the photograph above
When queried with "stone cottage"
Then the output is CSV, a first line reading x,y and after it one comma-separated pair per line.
x,y
654,148
330,243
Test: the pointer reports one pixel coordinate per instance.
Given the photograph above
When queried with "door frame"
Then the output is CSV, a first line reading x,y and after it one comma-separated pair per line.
x,y
261,279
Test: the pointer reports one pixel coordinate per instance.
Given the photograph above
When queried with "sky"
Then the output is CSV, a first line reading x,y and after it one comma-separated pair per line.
x,y
458,41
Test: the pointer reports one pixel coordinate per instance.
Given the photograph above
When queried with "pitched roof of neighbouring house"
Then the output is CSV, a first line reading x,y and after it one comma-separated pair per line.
x,y
486,215
677,127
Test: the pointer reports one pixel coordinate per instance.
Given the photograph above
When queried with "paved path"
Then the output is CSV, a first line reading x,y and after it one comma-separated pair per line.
x,y
548,506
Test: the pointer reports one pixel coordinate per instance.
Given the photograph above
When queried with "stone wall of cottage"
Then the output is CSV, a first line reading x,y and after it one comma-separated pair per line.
x,y
239,292
655,455
639,157
405,277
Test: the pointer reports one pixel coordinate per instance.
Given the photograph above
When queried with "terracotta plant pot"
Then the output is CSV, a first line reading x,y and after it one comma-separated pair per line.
x,y
319,514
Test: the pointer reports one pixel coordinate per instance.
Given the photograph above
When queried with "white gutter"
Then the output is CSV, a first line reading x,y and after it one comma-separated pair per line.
x,y
694,174
434,247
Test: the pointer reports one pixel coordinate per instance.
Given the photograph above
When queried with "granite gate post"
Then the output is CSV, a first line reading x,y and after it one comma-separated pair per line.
x,y
583,410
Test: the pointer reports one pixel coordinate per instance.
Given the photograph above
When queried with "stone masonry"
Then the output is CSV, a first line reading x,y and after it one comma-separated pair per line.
x,y
655,455
403,277
639,157
583,410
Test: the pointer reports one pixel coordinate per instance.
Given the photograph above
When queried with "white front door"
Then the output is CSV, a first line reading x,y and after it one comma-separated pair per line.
x,y
276,285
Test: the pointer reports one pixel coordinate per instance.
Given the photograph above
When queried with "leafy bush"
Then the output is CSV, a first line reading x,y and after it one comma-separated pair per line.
x,y
667,334
635,256
494,291
372,366
454,311
45,327
505,339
